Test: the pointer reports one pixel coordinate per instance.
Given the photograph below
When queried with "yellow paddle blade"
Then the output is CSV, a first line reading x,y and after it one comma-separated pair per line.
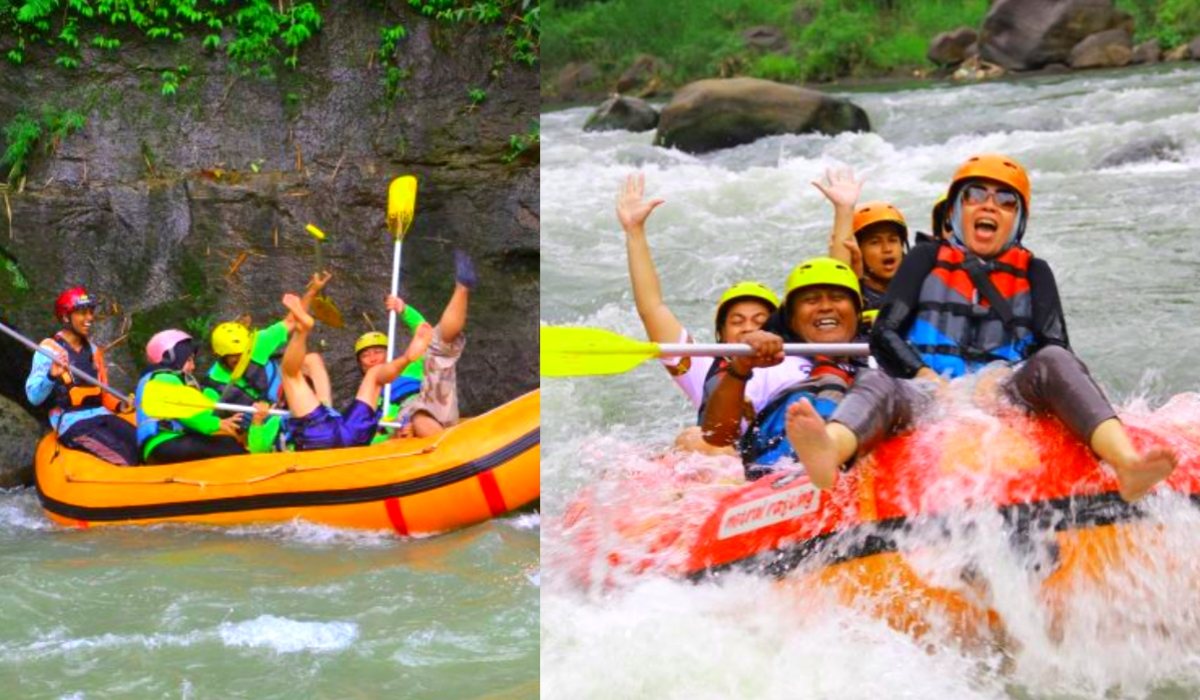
x,y
324,310
316,232
402,201
576,352
161,400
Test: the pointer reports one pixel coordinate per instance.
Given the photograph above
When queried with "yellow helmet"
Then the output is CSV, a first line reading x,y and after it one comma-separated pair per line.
x,y
824,271
744,290
230,338
939,215
371,339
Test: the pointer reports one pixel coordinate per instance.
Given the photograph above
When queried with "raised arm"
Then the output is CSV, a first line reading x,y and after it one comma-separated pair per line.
x,y
632,211
842,190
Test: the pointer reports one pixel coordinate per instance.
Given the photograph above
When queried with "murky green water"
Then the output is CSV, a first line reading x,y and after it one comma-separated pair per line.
x,y
292,611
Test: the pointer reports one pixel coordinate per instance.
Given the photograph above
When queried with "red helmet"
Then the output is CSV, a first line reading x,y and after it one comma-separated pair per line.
x,y
72,299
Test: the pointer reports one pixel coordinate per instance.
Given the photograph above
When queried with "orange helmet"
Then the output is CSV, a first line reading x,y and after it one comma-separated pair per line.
x,y
876,212
998,168
993,166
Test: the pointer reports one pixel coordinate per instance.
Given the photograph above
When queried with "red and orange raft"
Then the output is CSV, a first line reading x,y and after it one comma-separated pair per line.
x,y
1055,501
481,468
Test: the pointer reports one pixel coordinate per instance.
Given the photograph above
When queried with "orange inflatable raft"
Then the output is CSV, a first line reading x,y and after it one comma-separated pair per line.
x,y
1058,509
481,468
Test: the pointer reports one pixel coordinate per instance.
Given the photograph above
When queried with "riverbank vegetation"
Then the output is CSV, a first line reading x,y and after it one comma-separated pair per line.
x,y
825,39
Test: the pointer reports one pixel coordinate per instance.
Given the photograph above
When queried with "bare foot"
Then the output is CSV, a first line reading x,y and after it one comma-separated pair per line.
x,y
814,448
292,302
1139,476
419,343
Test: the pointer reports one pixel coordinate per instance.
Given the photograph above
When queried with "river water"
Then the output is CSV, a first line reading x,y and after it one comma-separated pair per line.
x,y
288,611
1123,238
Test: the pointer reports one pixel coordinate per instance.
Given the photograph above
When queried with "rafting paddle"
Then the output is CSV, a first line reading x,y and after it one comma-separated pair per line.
x,y
322,307
173,401
402,201
126,399
568,351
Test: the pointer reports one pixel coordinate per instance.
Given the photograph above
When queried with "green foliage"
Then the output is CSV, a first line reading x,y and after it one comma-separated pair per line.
x,y
24,133
526,145
263,30
201,325
476,95
776,67
1172,22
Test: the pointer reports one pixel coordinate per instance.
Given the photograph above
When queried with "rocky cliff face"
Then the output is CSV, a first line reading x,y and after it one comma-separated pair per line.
x,y
190,209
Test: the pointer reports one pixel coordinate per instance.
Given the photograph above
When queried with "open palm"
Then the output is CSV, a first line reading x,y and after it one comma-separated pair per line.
x,y
632,209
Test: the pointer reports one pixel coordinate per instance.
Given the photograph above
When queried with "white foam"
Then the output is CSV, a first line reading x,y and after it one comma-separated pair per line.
x,y
286,636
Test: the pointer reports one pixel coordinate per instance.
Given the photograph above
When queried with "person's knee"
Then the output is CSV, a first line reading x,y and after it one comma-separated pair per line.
x,y
1055,359
425,425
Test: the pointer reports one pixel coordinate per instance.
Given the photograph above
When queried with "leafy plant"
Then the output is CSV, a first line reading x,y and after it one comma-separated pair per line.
x,y
476,95
524,145
24,132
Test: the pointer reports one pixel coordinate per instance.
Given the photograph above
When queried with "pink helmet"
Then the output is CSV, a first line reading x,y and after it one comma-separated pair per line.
x,y
160,346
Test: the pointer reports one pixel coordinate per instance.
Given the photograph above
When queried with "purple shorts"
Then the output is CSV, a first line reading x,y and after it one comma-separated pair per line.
x,y
324,429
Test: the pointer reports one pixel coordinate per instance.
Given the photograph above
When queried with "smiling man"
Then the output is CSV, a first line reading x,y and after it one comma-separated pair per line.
x,y
822,305
82,415
979,299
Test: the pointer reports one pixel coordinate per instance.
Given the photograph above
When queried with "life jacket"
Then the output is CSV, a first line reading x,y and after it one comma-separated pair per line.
x,y
148,427
258,383
68,395
715,371
765,443
957,328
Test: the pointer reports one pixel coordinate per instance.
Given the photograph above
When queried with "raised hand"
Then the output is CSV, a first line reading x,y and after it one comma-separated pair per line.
x,y
394,303
840,186
632,209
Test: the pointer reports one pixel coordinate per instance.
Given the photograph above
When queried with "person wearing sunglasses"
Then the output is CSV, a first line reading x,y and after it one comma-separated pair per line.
x,y
977,300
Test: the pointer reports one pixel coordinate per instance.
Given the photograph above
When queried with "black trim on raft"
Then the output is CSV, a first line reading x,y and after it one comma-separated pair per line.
x,y
1023,520
291,500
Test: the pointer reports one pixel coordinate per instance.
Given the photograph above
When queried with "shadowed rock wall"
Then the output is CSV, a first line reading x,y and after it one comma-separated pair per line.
x,y
155,201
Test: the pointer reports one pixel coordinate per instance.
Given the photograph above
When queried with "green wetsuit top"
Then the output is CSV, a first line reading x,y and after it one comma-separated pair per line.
x,y
409,380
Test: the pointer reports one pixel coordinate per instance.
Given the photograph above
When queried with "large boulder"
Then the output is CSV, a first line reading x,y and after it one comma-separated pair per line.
x,y
1194,49
1029,34
1180,53
619,113
1108,49
1140,151
643,77
720,113
575,80
1147,52
952,48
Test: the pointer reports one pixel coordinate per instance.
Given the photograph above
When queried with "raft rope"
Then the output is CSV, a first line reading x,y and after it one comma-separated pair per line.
x,y
289,469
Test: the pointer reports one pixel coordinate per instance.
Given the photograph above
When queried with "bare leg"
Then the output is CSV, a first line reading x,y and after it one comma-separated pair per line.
x,y
1136,473
300,397
454,317
424,425
382,375
314,368
822,447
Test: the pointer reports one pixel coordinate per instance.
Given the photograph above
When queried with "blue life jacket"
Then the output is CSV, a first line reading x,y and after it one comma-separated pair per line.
x,y
765,443
957,330
148,427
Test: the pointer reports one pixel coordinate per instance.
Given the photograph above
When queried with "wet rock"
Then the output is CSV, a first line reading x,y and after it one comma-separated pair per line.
x,y
720,113
575,79
213,225
1194,49
951,48
1108,49
622,113
1180,53
644,77
1056,69
1142,150
765,37
974,69
19,435
1029,34
1147,52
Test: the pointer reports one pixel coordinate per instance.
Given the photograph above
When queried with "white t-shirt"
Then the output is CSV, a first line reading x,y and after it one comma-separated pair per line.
x,y
766,383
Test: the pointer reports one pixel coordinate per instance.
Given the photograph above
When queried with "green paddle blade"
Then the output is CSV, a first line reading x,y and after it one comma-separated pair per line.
x,y
576,352
160,400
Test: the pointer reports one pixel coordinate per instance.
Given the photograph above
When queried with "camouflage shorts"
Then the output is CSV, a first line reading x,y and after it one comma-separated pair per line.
x,y
439,387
